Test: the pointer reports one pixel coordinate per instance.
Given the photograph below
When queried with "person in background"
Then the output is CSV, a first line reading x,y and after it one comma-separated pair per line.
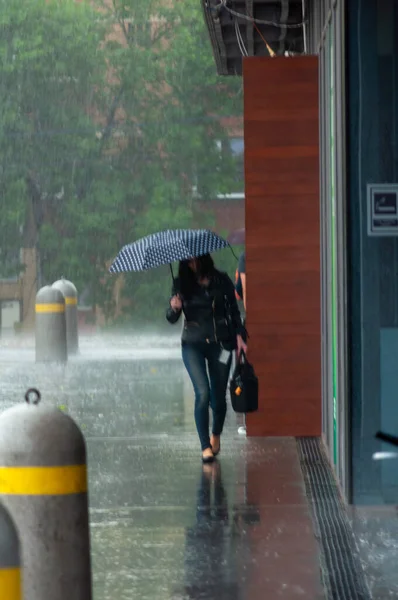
x,y
240,293
212,330
240,284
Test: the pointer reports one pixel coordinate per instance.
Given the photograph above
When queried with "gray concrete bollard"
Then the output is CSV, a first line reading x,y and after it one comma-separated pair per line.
x,y
51,345
10,565
69,292
43,484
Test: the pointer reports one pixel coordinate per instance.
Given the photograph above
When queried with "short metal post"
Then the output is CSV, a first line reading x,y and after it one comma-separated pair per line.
x,y
10,564
51,343
43,485
69,292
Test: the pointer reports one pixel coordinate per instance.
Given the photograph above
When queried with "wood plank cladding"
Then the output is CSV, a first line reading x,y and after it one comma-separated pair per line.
x,y
282,242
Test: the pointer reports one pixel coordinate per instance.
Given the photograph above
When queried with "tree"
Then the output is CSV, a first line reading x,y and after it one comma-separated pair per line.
x,y
178,104
49,69
112,123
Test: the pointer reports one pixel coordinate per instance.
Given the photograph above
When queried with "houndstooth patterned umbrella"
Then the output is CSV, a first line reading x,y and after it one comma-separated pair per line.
x,y
166,247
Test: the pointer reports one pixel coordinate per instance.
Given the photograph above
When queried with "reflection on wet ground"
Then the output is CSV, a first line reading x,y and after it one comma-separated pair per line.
x,y
163,527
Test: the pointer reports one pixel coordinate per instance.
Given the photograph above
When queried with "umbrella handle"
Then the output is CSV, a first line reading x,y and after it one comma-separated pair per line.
x,y
171,270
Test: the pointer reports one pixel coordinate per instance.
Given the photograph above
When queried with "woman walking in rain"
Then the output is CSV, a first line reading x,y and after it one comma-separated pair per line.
x,y
212,330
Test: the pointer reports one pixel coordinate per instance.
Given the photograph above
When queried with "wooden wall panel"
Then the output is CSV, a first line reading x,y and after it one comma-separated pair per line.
x,y
282,242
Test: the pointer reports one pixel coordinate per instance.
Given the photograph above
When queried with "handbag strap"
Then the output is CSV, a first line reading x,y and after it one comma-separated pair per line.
x,y
242,354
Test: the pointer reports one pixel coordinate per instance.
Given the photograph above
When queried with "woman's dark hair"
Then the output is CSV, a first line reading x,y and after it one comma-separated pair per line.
x,y
188,279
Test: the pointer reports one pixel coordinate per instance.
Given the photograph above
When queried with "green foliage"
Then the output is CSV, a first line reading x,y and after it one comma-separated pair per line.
x,y
109,118
49,68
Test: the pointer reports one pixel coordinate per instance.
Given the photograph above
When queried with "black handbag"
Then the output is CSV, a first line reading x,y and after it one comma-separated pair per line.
x,y
243,386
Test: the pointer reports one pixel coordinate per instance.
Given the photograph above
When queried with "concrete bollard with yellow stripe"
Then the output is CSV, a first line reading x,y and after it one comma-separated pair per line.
x,y
10,566
43,484
69,292
51,344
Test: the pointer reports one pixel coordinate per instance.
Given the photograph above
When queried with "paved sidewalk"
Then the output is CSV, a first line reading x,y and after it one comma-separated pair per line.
x,y
164,527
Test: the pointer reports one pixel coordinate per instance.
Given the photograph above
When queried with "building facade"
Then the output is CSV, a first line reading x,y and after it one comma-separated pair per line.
x,y
358,55
357,47
325,34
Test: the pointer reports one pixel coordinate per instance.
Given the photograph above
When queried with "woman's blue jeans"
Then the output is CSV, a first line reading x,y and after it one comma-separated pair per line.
x,y
209,377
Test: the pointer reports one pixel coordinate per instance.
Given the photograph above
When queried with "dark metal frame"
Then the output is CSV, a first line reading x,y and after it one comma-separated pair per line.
x,y
328,16
342,254
321,16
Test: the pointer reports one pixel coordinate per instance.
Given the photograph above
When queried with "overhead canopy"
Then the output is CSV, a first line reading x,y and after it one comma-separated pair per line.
x,y
240,28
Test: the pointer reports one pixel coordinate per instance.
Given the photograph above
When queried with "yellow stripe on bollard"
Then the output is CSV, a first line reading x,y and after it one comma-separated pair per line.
x,y
10,584
71,300
50,308
43,481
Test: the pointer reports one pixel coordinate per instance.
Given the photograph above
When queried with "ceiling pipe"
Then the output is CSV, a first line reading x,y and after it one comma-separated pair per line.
x,y
303,15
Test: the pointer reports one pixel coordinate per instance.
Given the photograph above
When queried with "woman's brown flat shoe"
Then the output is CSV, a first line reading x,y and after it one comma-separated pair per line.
x,y
207,456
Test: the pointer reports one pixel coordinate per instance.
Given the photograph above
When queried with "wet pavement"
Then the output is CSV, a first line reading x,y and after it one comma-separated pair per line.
x,y
163,526
376,533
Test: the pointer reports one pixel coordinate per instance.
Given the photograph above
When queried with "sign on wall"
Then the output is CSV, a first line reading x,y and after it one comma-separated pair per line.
x,y
382,209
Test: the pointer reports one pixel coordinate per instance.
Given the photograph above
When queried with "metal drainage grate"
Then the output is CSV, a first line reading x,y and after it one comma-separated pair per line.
x,y
342,573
